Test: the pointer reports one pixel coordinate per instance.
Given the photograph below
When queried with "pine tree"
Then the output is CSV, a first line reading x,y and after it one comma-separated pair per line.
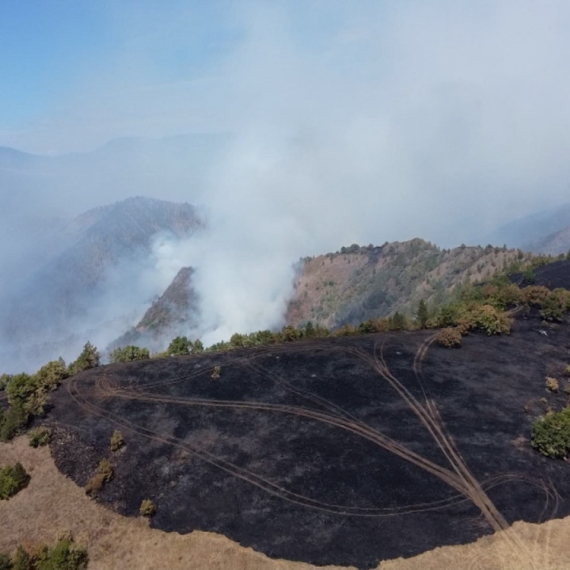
x,y
179,345
422,315
89,358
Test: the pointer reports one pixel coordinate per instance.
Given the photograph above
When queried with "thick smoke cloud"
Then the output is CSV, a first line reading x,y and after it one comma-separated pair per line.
x,y
349,121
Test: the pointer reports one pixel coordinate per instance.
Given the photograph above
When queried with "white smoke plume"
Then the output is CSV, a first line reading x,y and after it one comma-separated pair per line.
x,y
350,122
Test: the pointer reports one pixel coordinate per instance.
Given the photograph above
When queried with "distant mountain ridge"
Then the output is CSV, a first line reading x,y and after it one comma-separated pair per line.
x,y
359,283
95,265
546,232
175,312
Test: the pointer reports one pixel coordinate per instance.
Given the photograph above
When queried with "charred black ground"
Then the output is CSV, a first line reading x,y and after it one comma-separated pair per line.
x,y
297,487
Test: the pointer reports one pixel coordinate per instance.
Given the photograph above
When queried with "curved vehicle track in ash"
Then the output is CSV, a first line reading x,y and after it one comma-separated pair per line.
x,y
454,494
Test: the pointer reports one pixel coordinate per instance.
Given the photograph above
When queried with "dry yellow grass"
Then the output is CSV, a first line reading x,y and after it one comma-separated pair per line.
x,y
53,504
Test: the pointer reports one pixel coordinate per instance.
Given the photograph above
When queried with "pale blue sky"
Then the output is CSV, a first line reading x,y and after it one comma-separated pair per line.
x,y
50,51
449,104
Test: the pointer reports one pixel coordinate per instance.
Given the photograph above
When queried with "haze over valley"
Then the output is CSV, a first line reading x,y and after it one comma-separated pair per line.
x,y
285,283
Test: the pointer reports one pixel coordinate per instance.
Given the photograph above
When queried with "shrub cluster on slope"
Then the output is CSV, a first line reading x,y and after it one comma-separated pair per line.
x,y
359,283
28,394
64,555
129,354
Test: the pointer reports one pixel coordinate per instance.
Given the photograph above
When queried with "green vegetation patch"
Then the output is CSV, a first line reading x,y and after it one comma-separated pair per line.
x,y
13,478
551,434
147,508
28,394
39,436
64,555
129,354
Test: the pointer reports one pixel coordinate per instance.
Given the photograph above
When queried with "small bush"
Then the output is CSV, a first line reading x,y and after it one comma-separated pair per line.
x,y
551,384
216,372
64,555
95,484
449,337
20,389
4,379
552,308
103,475
179,346
129,354
15,419
535,295
39,436
89,358
484,318
52,374
551,434
567,371
22,560
117,440
105,469
12,479
5,562
147,508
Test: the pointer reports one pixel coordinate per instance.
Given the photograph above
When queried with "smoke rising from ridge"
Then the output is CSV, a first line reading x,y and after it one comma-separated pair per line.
x,y
350,122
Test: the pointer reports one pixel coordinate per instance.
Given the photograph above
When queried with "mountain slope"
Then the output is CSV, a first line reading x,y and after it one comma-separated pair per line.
x,y
553,244
174,312
359,283
536,231
94,278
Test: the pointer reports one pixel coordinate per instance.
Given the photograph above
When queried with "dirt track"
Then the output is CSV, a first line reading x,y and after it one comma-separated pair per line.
x,y
331,452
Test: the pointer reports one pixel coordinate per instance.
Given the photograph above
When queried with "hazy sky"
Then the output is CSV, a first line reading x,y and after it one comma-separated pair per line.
x,y
350,120
459,108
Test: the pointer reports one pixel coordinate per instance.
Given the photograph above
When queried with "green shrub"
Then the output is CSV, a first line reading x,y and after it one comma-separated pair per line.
x,y
178,346
422,314
535,295
551,308
51,375
529,277
447,316
397,322
13,478
196,347
39,436
105,469
4,379
487,319
117,440
551,384
147,508
15,419
89,358
129,354
21,389
449,337
551,434
65,555
22,560
103,475
95,484
290,334
5,562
